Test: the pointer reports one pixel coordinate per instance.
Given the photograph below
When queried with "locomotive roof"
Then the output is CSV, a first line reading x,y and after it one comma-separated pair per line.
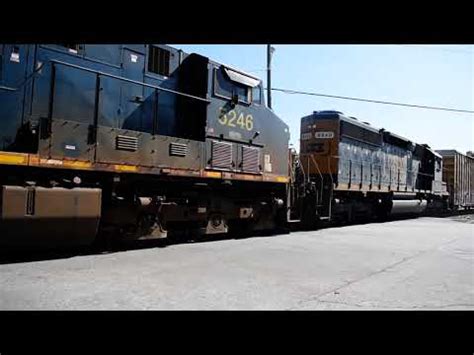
x,y
394,138
340,116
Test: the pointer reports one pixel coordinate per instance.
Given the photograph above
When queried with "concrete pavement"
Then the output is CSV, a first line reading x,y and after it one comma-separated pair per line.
x,y
424,263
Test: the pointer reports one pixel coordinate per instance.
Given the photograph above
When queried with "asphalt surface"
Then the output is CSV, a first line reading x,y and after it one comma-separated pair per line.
x,y
424,263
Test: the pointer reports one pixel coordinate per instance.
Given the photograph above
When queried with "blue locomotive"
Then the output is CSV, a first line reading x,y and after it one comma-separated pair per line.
x,y
355,171
136,141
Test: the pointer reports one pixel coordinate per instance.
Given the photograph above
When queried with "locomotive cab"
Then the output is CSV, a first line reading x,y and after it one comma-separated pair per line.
x,y
241,131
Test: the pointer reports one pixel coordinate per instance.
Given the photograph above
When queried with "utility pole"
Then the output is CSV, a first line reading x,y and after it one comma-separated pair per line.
x,y
270,51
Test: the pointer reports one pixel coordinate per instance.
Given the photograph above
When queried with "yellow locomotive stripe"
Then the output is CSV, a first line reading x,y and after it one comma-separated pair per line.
x,y
212,174
242,177
55,162
35,160
120,167
77,164
16,159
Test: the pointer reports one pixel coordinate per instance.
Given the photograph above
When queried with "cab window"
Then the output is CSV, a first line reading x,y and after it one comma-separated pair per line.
x,y
257,95
226,88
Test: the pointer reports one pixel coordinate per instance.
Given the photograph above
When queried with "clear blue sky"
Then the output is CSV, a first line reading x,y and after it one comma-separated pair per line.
x,y
425,75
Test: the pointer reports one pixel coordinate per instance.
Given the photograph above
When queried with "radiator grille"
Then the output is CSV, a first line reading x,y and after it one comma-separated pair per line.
x,y
250,159
178,149
221,156
126,143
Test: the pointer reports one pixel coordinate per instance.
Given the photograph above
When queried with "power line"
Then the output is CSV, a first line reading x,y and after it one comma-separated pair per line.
x,y
289,91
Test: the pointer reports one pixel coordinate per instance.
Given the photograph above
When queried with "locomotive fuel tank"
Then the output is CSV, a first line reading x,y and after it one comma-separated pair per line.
x,y
37,216
408,206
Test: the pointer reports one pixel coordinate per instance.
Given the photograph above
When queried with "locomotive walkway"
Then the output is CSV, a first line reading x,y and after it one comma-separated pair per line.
x,y
424,263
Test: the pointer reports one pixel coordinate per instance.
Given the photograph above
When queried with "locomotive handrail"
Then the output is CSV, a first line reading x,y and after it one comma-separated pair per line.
x,y
332,187
317,167
98,72
7,88
320,175
302,167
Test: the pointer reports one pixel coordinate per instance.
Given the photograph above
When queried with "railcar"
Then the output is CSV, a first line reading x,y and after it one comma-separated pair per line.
x,y
136,141
458,173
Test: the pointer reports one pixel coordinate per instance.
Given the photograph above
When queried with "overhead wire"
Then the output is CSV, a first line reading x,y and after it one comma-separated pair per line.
x,y
439,108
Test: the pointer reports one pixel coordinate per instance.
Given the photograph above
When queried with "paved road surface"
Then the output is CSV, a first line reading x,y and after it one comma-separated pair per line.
x,y
425,263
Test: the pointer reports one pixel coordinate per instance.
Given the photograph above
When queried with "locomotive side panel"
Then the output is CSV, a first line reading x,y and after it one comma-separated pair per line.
x,y
398,167
16,62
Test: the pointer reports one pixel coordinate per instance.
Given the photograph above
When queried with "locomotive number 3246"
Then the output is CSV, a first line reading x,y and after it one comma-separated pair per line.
x,y
235,119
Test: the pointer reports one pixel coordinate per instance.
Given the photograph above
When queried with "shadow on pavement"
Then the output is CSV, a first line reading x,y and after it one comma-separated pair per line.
x,y
33,255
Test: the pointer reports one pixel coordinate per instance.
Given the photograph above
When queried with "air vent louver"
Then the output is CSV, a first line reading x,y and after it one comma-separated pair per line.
x,y
250,159
126,143
221,155
178,149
